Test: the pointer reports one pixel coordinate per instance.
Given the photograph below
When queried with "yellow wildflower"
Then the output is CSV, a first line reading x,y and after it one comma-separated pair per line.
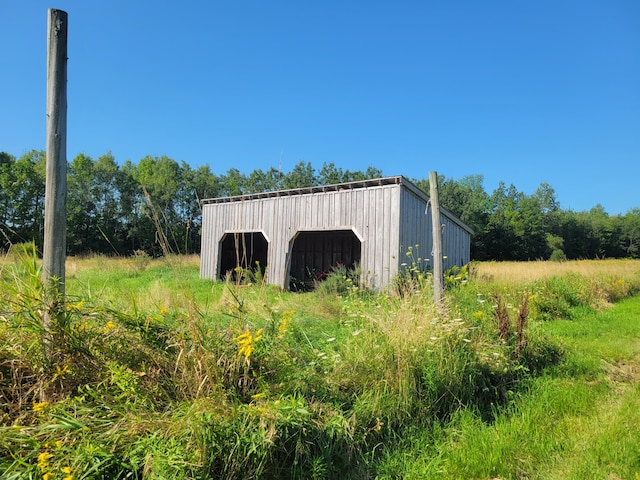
x,y
163,310
39,406
110,325
61,372
43,460
284,322
48,476
75,307
247,342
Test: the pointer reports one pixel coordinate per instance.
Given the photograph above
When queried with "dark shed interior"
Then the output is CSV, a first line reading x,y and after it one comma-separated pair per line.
x,y
316,253
247,250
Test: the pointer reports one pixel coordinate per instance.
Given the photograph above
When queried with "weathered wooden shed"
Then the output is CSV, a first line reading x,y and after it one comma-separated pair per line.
x,y
298,235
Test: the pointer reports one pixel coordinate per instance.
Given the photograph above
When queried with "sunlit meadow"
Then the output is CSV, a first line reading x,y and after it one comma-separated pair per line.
x,y
156,373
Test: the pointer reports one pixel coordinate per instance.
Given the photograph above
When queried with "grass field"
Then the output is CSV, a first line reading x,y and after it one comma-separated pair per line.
x,y
579,420
530,372
527,272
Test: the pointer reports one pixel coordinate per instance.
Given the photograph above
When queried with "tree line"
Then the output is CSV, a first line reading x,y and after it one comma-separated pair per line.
x,y
123,209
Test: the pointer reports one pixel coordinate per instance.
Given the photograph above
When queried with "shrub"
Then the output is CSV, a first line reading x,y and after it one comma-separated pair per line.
x,y
557,296
339,281
456,276
414,275
558,255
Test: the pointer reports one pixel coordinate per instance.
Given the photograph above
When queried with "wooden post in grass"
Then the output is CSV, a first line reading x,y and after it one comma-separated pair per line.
x,y
55,209
438,287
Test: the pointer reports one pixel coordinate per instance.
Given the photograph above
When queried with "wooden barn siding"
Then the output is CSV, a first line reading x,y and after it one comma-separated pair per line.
x,y
372,212
416,230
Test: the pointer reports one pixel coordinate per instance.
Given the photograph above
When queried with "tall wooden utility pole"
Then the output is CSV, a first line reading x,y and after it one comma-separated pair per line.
x,y
55,209
438,286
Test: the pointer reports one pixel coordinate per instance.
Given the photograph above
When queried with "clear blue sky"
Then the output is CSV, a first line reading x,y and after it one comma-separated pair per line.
x,y
524,92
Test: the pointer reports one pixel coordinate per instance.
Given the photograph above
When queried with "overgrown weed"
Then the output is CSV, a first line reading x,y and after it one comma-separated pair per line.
x,y
160,374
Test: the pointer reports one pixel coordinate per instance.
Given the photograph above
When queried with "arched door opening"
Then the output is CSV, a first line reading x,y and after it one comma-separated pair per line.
x,y
243,252
315,254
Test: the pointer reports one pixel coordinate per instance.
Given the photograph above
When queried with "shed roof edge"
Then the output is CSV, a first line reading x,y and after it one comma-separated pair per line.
x,y
397,180
376,182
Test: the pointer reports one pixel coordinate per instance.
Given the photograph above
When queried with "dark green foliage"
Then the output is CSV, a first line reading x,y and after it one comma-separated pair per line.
x,y
510,225
22,198
120,209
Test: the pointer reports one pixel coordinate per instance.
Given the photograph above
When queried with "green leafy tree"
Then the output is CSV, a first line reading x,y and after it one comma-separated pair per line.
x,y
499,232
372,172
601,231
555,245
160,223
81,208
529,226
8,192
96,218
467,199
131,203
196,184
199,184
27,213
232,183
330,174
631,233
358,175
302,175
115,209
575,230
260,181
205,183
108,198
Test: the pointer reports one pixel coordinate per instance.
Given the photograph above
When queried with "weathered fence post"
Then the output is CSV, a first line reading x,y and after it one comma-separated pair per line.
x,y
438,287
55,210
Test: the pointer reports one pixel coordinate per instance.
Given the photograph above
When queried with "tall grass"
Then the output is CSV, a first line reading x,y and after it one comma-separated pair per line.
x,y
508,273
160,374
575,421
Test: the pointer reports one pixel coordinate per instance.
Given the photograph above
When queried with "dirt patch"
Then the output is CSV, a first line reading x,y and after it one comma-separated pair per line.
x,y
623,372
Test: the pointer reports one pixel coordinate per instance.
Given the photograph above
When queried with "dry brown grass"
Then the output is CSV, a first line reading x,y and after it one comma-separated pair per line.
x,y
526,272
